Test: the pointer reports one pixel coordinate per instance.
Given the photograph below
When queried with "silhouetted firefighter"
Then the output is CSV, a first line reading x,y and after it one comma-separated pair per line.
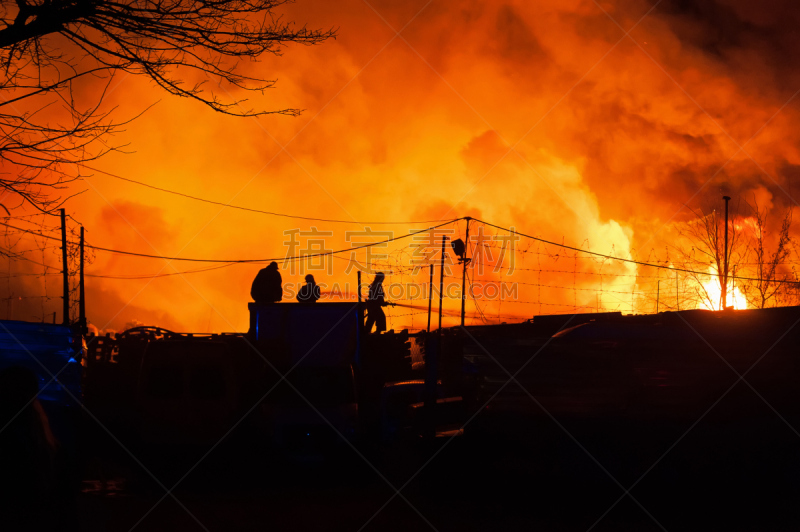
x,y
375,300
310,292
267,286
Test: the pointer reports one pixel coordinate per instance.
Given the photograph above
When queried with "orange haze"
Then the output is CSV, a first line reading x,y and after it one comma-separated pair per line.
x,y
539,115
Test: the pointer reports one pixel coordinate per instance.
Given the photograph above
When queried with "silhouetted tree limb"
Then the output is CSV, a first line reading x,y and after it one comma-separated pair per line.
x,y
52,50
764,278
706,235
769,286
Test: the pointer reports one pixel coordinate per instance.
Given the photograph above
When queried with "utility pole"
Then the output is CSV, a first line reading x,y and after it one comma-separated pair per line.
x,y
360,330
432,353
64,264
441,286
82,294
464,261
658,293
677,297
725,261
360,306
430,298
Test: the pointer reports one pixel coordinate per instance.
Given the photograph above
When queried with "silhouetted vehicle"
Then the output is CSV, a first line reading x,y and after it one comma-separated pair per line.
x,y
187,392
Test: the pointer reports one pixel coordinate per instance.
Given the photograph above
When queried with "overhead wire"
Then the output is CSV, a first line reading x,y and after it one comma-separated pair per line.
x,y
228,262
157,275
629,261
232,261
257,211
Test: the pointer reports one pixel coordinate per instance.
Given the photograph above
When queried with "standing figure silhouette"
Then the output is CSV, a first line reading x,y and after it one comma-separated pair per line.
x,y
375,300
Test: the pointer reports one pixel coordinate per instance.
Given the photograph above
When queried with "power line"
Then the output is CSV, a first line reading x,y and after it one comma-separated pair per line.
x,y
604,290
629,261
257,211
284,259
549,255
157,275
10,255
235,261
371,244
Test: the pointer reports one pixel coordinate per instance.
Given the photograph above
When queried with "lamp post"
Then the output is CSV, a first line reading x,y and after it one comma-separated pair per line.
x,y
460,248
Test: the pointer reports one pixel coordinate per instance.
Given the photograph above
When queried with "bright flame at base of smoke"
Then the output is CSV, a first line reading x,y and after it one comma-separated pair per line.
x,y
712,289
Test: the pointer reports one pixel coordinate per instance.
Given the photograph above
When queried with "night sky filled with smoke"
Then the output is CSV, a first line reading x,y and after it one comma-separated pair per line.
x,y
582,122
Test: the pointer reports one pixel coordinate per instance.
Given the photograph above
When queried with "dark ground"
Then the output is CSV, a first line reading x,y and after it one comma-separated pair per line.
x,y
658,433
507,473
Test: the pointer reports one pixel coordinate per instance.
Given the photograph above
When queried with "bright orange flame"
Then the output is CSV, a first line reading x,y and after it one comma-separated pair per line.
x,y
735,296
524,114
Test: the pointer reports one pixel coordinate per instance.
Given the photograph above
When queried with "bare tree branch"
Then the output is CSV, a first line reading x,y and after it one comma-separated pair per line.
x,y
768,288
49,46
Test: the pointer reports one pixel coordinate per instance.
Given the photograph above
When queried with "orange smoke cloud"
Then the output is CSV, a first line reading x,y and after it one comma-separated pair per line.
x,y
538,115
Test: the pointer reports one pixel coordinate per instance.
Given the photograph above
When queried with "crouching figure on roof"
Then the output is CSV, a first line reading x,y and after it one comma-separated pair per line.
x,y
310,292
267,286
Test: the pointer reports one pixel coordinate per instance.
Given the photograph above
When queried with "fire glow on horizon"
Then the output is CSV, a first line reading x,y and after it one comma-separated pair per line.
x,y
713,290
539,115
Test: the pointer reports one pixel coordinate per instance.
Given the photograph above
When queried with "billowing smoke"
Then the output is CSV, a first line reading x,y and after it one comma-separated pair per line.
x,y
544,116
